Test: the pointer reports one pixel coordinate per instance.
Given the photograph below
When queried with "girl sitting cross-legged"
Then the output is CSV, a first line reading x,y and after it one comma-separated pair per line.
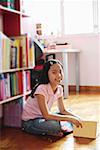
x,y
36,116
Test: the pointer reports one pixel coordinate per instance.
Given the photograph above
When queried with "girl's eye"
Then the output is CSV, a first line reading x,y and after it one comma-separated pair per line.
x,y
54,72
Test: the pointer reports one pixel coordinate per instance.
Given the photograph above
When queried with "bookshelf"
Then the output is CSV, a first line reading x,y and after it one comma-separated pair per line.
x,y
15,82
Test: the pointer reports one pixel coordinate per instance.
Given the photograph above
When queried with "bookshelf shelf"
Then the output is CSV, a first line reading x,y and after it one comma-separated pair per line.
x,y
28,92
4,10
11,99
16,70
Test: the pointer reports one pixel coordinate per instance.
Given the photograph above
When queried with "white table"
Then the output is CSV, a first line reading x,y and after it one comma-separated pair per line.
x,y
64,53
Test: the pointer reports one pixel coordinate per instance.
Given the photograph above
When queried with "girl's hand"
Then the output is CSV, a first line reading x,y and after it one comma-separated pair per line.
x,y
77,122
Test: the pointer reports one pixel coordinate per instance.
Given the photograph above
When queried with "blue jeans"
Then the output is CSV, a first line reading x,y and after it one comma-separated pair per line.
x,y
42,127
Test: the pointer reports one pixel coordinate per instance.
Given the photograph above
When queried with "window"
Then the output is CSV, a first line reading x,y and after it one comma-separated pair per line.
x,y
96,16
99,14
66,16
78,16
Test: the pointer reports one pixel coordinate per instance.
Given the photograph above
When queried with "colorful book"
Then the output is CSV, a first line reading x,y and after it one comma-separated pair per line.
x,y
28,83
16,45
20,82
26,49
31,59
2,87
1,60
7,85
5,45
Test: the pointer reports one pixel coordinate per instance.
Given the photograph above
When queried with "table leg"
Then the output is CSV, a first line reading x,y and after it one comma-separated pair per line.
x,y
77,71
65,68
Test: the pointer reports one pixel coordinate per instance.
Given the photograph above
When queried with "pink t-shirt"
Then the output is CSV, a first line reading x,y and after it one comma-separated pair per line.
x,y
31,109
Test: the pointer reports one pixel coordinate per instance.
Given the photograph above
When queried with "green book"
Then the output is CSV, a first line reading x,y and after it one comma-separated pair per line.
x,y
8,3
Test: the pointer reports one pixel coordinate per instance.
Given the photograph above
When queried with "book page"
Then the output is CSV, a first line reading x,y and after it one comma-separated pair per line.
x,y
88,130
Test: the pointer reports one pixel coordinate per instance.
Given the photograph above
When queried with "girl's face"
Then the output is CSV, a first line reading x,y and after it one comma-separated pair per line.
x,y
55,74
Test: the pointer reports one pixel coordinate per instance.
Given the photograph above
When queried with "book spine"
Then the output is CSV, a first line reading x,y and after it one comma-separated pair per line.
x,y
31,54
1,54
2,87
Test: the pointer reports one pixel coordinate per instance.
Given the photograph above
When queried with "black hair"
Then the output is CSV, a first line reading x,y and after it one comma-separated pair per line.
x,y
44,79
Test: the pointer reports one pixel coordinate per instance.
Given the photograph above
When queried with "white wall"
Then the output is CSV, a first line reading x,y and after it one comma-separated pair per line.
x,y
89,58
27,26
89,45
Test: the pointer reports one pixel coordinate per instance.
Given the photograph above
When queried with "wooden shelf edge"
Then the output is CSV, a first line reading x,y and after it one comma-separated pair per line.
x,y
13,11
16,69
11,99
9,10
28,92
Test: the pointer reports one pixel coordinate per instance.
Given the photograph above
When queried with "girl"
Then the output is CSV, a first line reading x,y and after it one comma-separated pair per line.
x,y
36,116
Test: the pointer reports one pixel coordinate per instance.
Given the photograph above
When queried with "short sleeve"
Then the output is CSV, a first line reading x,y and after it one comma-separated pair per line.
x,y
60,91
41,90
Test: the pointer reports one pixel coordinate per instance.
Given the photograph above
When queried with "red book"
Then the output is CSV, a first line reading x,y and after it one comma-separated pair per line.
x,y
27,50
20,84
20,57
28,78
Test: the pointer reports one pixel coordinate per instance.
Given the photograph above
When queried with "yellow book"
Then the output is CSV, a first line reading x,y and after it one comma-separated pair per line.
x,y
31,56
88,130
4,54
17,45
8,48
5,51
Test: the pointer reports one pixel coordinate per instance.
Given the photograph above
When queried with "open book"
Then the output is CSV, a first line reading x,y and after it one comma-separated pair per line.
x,y
89,130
